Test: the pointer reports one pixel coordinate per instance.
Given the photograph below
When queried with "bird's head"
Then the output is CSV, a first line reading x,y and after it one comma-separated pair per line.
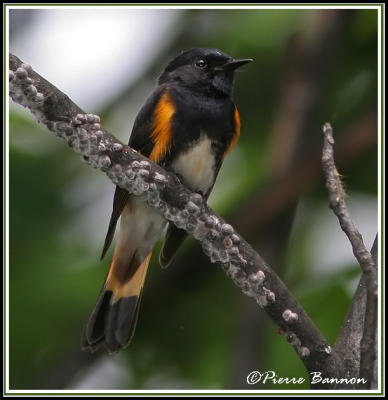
x,y
203,70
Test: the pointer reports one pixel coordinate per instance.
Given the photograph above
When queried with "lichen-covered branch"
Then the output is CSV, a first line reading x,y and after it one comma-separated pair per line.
x,y
187,210
357,341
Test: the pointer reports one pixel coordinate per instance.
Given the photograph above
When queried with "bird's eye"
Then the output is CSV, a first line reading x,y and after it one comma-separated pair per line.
x,y
200,63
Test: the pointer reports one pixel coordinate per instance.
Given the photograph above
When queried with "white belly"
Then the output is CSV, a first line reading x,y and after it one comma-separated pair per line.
x,y
196,166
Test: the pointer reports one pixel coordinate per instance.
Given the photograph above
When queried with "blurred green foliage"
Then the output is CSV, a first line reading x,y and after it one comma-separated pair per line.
x,y
189,333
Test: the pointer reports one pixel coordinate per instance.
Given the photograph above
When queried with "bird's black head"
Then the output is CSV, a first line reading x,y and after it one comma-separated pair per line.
x,y
203,70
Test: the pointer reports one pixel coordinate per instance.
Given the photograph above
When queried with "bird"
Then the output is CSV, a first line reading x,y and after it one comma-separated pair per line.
x,y
188,124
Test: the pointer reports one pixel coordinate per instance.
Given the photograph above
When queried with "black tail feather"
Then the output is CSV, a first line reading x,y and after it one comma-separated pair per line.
x,y
127,318
95,328
111,324
111,343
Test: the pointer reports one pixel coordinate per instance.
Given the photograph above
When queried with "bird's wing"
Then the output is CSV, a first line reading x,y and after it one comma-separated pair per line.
x,y
141,141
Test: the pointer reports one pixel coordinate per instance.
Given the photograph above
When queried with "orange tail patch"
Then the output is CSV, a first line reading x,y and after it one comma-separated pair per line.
x,y
129,286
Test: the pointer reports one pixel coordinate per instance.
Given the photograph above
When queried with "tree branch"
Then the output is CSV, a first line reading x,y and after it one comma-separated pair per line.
x,y
357,341
187,210
337,201
368,344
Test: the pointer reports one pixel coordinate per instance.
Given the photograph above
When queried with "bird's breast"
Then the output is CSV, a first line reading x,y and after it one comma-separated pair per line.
x,y
196,165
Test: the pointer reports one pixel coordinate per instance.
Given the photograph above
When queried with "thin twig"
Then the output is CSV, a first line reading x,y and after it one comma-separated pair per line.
x,y
337,201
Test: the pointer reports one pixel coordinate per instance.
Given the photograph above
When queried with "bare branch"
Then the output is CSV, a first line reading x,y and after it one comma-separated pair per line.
x,y
187,210
337,201
357,341
369,348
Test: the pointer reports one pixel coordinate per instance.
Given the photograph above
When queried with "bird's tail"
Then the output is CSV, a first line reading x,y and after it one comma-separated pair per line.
x,y
113,319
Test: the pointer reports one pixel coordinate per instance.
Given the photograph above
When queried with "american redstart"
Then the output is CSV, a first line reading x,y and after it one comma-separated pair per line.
x,y
188,124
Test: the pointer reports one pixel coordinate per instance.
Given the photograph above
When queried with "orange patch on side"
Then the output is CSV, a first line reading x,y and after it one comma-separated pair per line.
x,y
236,134
161,127
133,286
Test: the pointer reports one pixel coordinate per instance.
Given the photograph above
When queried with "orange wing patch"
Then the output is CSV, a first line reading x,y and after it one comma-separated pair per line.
x,y
236,134
161,127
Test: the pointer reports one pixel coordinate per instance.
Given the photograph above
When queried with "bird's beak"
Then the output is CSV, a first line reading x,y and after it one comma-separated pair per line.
x,y
234,64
